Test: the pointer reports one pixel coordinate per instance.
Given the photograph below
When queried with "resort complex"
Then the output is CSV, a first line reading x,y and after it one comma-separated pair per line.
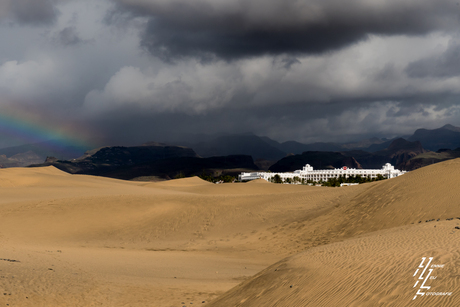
x,y
308,174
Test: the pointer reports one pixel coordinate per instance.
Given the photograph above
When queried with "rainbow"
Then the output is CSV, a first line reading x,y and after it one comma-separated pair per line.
x,y
32,128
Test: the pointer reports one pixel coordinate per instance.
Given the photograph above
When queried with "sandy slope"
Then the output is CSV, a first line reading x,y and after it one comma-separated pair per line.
x,y
90,241
84,240
375,270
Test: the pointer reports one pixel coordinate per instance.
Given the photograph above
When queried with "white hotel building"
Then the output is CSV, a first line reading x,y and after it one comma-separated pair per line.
x,y
307,173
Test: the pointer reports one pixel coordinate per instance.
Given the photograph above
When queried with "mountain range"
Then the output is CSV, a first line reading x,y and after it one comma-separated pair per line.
x,y
45,149
20,159
398,153
150,160
446,137
247,151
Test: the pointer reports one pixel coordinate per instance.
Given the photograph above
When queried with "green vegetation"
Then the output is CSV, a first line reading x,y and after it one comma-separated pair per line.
x,y
180,175
331,182
222,178
277,179
434,155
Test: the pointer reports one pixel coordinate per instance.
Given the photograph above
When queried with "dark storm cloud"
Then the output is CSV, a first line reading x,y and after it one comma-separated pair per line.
x,y
29,11
234,29
444,65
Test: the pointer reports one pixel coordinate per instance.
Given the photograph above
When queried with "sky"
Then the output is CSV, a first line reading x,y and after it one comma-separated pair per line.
x,y
125,72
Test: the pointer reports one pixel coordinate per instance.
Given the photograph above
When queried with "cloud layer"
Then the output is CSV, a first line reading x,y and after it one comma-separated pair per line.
x,y
28,11
235,29
132,71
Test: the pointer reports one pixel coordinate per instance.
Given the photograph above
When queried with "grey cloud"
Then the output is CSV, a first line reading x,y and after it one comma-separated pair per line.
x,y
29,11
442,66
288,62
111,89
67,37
234,29
336,122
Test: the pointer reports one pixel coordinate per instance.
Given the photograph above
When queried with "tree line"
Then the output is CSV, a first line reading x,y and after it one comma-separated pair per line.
x,y
331,182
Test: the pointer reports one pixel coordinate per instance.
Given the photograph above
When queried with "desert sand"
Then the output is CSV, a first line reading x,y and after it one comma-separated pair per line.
x,y
77,240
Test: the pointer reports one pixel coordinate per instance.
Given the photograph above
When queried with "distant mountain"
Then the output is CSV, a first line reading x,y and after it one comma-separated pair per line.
x,y
271,142
185,166
317,159
447,137
428,158
268,149
45,149
372,144
297,148
252,145
119,155
191,139
6,162
151,159
378,146
106,159
398,153
263,164
364,144
371,152
19,160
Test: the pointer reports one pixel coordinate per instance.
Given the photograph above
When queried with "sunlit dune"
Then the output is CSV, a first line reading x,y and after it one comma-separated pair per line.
x,y
183,182
373,270
258,181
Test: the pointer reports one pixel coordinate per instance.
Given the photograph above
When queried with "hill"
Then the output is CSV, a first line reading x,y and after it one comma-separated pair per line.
x,y
429,158
317,159
183,166
20,159
447,136
45,149
251,145
151,160
398,153
108,159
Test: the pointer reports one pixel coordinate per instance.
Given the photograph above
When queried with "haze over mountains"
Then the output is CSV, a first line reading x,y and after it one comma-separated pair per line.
x,y
154,159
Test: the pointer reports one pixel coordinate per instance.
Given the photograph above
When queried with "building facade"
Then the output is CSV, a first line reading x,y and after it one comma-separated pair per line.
x,y
308,173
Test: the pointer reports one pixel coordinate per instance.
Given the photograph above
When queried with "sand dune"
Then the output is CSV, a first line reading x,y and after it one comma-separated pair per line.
x,y
183,182
210,236
85,240
432,192
258,181
369,271
373,270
